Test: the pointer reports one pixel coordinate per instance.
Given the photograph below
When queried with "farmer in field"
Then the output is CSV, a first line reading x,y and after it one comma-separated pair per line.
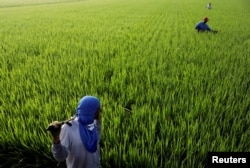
x,y
203,27
209,5
77,141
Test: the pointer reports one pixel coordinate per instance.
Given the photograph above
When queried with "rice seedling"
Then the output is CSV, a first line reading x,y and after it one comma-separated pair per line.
x,y
188,93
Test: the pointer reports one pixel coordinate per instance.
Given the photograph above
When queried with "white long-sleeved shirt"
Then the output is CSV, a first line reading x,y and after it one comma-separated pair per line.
x,y
72,149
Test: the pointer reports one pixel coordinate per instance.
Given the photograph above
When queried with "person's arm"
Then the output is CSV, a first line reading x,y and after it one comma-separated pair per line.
x,y
60,145
211,30
214,31
208,28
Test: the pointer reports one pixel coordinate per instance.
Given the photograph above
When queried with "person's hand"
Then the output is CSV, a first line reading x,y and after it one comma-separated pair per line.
x,y
55,128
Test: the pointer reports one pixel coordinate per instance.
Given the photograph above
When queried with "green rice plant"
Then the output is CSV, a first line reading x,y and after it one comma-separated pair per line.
x,y
188,92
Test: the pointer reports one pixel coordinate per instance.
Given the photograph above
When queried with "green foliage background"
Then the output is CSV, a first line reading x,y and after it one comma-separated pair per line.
x,y
189,92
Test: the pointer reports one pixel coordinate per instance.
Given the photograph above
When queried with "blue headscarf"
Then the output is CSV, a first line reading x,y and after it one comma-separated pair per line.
x,y
85,111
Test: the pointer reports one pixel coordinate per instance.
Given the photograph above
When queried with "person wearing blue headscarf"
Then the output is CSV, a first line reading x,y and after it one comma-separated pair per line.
x,y
77,142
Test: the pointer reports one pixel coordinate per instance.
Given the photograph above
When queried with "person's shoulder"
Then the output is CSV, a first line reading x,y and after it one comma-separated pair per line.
x,y
70,124
74,122
199,23
66,126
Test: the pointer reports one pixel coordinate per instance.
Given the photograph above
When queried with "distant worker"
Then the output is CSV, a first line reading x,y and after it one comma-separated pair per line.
x,y
203,27
209,5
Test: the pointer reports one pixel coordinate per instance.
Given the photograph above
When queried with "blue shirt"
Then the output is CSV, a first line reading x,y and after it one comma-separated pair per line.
x,y
202,26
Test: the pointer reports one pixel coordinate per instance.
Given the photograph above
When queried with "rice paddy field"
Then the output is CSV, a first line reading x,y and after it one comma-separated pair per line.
x,y
189,92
